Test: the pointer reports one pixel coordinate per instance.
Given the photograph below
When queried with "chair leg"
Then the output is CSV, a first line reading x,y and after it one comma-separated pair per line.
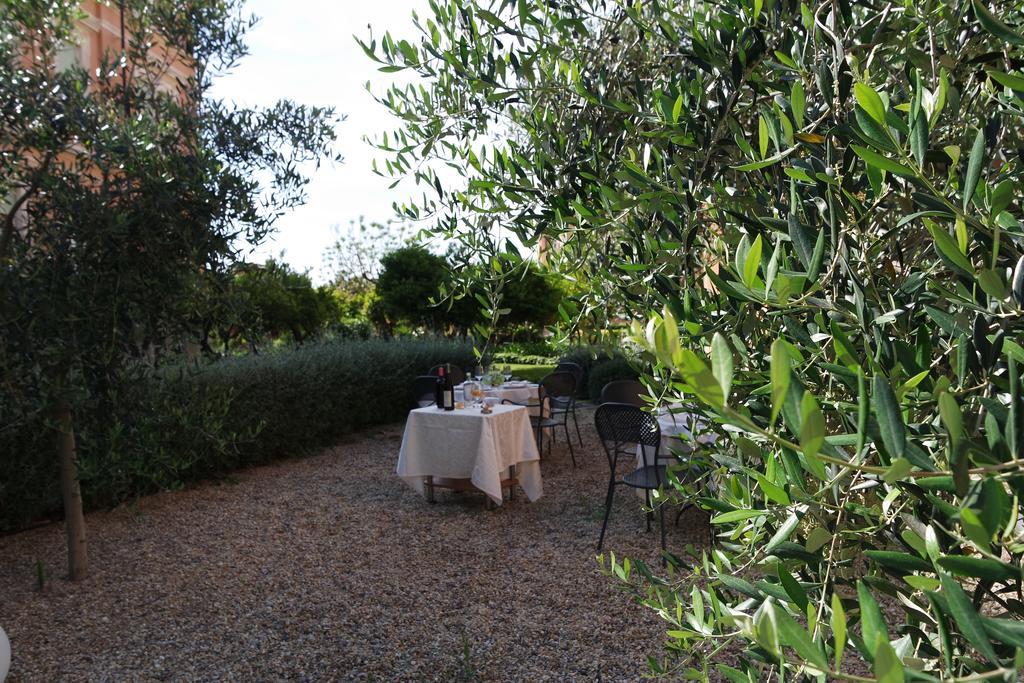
x,y
648,515
568,440
607,511
577,423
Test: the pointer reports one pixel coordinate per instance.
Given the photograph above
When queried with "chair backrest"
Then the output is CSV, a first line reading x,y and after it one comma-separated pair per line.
x,y
458,374
559,388
624,391
621,425
424,390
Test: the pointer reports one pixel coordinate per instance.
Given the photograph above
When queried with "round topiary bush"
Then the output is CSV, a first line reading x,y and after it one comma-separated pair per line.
x,y
587,357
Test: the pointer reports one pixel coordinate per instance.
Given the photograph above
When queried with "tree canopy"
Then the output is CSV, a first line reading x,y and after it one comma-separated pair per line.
x,y
810,212
273,299
125,195
412,281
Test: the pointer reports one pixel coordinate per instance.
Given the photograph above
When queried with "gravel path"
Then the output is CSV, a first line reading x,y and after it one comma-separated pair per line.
x,y
331,568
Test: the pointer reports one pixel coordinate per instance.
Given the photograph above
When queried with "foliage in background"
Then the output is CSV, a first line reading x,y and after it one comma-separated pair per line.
x,y
588,358
122,195
602,373
274,300
411,283
822,201
535,352
159,430
354,262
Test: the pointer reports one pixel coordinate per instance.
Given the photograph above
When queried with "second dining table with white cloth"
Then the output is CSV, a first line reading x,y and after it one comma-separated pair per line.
x,y
680,430
467,444
519,392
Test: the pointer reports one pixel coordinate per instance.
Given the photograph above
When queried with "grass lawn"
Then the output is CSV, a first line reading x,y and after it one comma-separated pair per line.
x,y
534,373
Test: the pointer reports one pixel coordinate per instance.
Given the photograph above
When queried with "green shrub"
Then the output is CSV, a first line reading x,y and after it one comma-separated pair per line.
x,y
609,371
304,398
587,357
527,353
350,328
144,433
157,431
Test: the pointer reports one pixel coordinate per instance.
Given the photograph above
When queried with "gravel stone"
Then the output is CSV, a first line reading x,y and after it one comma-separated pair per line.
x,y
331,568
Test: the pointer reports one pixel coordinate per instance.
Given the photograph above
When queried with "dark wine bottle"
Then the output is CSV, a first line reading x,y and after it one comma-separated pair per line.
x,y
439,388
448,393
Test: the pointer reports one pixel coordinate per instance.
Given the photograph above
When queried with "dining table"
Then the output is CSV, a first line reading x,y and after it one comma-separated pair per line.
x,y
521,392
683,431
468,449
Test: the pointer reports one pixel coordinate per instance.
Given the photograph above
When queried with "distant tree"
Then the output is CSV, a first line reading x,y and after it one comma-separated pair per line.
x,y
532,299
357,251
354,262
124,197
274,299
410,278
415,287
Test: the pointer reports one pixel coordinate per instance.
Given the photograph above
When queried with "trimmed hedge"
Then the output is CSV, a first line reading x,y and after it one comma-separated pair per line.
x,y
157,431
609,371
306,398
586,357
527,353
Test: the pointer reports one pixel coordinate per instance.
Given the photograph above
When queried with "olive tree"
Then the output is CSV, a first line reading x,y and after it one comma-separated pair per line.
x,y
124,193
811,213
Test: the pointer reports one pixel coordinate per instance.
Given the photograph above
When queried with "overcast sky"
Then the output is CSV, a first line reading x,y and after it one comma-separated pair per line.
x,y
304,50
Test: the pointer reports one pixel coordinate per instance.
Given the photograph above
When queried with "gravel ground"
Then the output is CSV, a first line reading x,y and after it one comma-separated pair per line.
x,y
331,568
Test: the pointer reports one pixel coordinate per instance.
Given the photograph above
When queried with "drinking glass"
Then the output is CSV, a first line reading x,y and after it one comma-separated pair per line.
x,y
506,370
476,391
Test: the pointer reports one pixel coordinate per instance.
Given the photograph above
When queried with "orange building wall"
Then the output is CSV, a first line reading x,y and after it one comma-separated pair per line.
x,y
99,34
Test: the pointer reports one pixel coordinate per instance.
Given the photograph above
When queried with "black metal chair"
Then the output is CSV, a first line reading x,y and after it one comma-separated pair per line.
x,y
424,390
577,373
624,391
556,398
622,427
458,374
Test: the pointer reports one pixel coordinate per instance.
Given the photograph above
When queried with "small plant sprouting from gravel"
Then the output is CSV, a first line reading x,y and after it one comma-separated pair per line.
x,y
40,576
467,670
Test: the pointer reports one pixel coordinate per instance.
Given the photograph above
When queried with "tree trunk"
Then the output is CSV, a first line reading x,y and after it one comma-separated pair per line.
x,y
71,492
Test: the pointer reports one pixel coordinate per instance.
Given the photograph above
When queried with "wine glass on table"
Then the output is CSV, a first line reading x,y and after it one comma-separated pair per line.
x,y
506,371
476,390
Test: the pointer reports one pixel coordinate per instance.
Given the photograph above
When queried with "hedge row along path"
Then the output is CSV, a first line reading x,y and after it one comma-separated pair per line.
x,y
330,567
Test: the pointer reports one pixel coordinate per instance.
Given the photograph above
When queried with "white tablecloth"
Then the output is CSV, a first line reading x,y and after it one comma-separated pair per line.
x,y
465,444
526,393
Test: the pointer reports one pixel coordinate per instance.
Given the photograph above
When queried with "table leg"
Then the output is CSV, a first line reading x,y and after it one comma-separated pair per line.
x,y
428,483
